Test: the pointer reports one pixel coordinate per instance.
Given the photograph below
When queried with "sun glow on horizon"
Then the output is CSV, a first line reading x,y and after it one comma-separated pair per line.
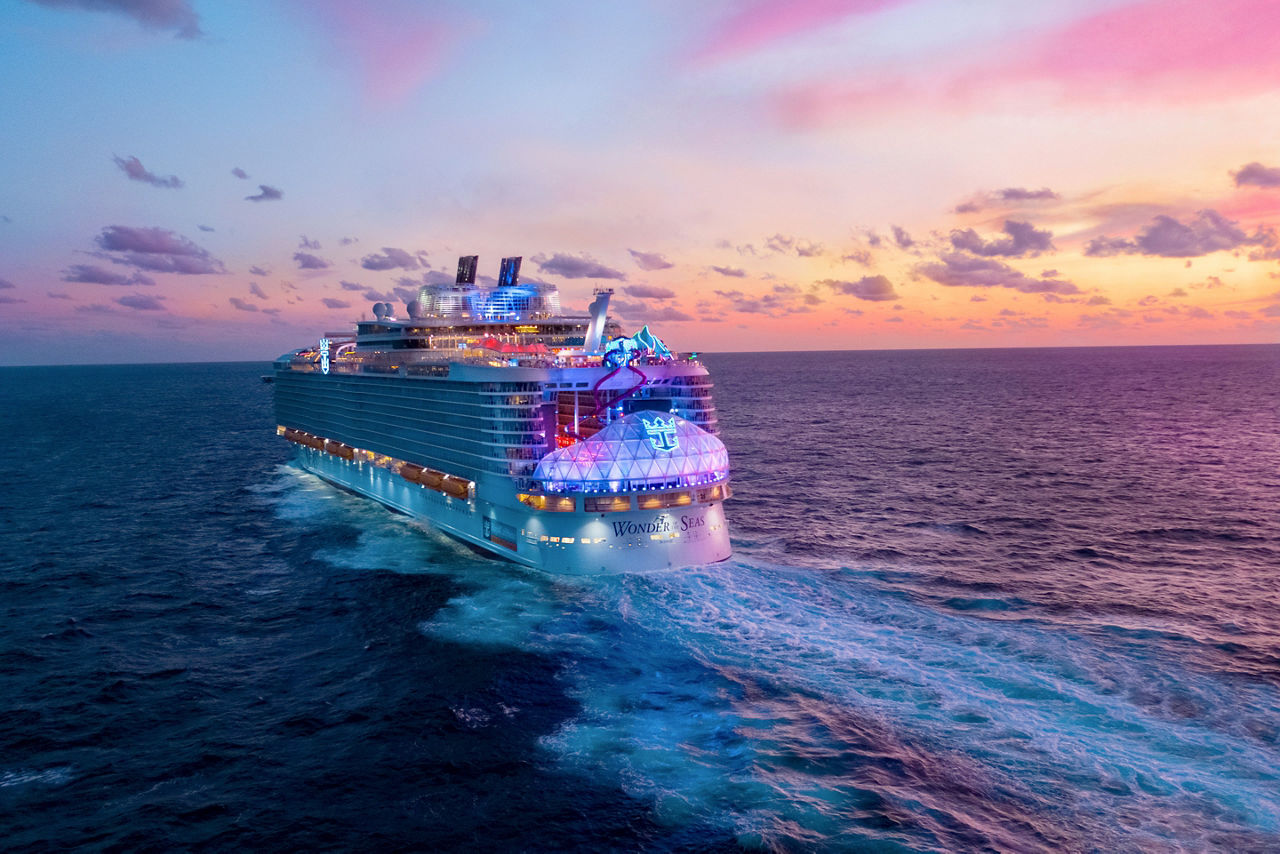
x,y
230,181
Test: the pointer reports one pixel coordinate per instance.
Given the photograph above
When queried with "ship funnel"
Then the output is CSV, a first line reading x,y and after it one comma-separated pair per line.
x,y
599,312
509,273
467,269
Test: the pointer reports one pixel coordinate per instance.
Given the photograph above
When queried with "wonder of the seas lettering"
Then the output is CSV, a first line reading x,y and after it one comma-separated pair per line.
x,y
690,522
662,525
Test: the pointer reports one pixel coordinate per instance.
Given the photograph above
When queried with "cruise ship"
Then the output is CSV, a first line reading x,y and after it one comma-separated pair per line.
x,y
531,434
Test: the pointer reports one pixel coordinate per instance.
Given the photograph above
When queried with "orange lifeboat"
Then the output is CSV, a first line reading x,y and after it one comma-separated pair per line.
x,y
338,449
456,486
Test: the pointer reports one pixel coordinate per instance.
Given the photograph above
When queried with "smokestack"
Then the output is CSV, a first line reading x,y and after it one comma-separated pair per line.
x,y
467,269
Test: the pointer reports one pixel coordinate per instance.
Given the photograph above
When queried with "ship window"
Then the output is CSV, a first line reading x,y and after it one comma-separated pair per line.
x,y
567,540
714,493
550,503
666,499
607,503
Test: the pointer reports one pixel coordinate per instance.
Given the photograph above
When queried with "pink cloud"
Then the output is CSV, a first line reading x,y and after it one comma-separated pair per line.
x,y
1252,206
1185,42
394,45
766,21
1184,50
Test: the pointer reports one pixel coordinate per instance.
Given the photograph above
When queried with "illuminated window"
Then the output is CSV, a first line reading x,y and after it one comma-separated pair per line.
x,y
567,540
607,503
664,499
551,503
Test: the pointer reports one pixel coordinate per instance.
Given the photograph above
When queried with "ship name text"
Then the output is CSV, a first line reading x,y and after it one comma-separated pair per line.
x,y
662,525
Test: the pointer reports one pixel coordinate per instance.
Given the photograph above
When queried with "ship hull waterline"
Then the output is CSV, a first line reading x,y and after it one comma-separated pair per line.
x,y
562,543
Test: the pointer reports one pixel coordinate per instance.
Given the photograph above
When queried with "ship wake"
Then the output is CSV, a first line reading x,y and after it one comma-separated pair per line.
x,y
799,707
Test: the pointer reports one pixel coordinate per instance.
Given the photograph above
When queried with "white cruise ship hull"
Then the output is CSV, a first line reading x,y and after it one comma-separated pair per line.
x,y
576,543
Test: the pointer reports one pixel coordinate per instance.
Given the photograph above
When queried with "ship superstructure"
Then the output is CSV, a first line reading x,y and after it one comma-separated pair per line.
x,y
539,436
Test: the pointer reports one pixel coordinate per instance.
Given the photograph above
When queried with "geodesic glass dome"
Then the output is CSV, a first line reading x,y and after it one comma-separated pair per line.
x,y
643,450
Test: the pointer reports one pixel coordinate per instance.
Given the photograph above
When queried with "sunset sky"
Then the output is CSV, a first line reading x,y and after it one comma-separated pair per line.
x,y
187,180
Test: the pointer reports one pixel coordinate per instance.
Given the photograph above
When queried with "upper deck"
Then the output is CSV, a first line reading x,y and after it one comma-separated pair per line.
x,y
465,392
462,323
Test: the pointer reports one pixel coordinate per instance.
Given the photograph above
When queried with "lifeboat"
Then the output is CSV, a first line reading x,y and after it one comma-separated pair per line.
x,y
455,486
439,481
338,449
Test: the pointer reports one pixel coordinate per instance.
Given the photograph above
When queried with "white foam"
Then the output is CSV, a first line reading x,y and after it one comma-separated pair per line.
x,y
506,609
25,777
297,495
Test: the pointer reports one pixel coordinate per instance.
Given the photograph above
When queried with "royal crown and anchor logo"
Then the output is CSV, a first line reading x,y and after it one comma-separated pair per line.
x,y
662,433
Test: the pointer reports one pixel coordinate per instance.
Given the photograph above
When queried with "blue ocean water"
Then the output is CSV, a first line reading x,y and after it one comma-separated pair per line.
x,y
980,600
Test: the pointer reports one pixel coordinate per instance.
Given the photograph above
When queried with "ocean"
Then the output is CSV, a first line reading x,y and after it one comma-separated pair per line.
x,y
997,600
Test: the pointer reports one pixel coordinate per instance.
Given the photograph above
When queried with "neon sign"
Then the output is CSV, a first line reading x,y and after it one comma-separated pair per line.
x,y
662,434
324,355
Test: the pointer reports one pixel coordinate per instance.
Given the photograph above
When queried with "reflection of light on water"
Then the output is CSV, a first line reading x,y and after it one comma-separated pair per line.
x,y
386,541
809,707
297,495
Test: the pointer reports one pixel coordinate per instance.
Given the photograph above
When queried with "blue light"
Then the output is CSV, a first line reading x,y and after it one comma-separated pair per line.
x,y
662,433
